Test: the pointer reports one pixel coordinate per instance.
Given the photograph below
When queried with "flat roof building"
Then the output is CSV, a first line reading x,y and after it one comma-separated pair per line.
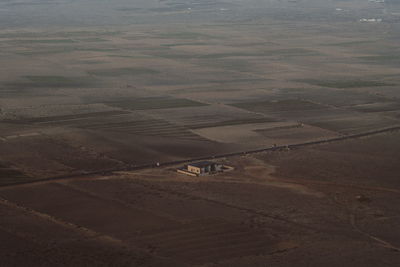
x,y
203,168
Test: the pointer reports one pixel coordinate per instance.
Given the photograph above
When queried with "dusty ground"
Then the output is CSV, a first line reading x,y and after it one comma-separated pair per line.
x,y
334,205
122,84
91,86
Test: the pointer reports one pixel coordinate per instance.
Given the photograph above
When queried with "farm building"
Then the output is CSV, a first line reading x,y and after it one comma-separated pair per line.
x,y
203,168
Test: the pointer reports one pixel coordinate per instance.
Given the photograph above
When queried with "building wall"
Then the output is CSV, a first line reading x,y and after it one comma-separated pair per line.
x,y
218,167
194,169
186,172
204,170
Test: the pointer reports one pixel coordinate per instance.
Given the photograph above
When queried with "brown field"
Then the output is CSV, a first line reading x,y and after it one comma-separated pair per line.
x,y
126,96
279,208
91,93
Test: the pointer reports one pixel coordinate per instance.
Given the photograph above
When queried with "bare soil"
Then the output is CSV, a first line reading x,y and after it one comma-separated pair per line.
x,y
302,207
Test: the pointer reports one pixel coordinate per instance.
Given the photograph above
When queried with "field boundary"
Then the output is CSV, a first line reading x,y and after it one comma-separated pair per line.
x,y
211,157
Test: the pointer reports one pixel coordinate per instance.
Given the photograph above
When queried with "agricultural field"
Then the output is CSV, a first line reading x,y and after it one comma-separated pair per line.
x,y
176,89
290,207
94,95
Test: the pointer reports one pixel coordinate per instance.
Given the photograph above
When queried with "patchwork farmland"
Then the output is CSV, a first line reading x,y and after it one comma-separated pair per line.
x,y
101,102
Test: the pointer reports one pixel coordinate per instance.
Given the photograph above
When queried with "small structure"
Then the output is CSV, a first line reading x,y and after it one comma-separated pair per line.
x,y
203,168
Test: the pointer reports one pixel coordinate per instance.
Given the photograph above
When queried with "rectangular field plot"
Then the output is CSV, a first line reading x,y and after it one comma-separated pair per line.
x,y
28,237
344,83
232,122
155,103
184,35
213,115
265,134
280,105
332,97
72,117
150,197
234,54
390,60
123,72
293,110
378,107
60,34
45,52
210,241
40,41
149,127
118,121
103,215
49,156
354,124
142,217
296,133
52,82
243,134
